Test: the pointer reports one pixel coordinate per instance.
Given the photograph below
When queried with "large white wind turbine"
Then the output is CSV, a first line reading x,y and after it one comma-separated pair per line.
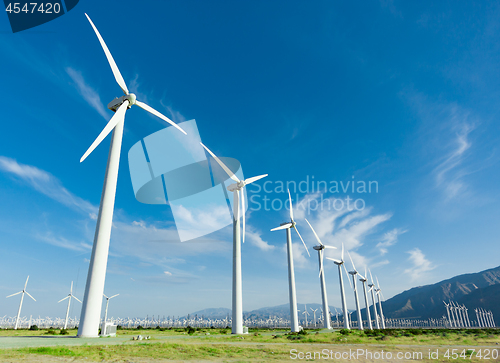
x,y
294,319
363,279
237,189
91,307
23,291
374,304
70,295
353,273
339,264
320,248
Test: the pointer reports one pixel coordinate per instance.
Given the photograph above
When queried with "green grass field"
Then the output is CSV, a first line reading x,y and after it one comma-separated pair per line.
x,y
259,345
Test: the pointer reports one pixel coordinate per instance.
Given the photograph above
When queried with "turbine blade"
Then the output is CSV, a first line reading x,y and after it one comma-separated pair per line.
x,y
111,61
74,297
114,296
371,277
67,297
26,283
347,274
27,293
334,260
351,261
329,247
314,232
243,213
71,288
378,284
296,230
291,207
285,226
158,114
226,169
17,293
117,117
105,296
320,262
255,178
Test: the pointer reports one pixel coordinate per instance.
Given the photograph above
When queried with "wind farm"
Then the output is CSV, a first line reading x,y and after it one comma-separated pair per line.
x,y
270,129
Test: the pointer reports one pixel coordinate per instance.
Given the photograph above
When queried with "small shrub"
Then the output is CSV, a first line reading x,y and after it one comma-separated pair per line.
x,y
64,332
139,327
344,331
33,327
51,332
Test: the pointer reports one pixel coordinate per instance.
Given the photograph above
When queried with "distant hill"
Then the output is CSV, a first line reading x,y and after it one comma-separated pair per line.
x,y
211,313
481,289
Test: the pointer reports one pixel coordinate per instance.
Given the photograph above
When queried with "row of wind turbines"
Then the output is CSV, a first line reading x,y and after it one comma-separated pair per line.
x,y
69,297
94,288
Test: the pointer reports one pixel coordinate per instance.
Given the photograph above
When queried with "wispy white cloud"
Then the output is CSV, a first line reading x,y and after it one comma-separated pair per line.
x,y
255,238
45,183
64,243
421,264
389,239
87,92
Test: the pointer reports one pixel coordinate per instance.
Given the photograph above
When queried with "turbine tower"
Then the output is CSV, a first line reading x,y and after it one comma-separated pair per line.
x,y
320,248
92,299
70,295
237,189
339,264
294,319
23,291
363,279
379,293
372,289
353,273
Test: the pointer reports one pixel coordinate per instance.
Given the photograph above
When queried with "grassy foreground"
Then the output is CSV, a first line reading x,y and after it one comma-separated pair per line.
x,y
264,345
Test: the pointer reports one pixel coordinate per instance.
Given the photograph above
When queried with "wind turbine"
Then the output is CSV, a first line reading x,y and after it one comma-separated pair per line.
x,y
372,289
320,248
237,189
314,314
363,279
353,273
379,292
70,295
91,306
339,264
106,311
21,303
294,319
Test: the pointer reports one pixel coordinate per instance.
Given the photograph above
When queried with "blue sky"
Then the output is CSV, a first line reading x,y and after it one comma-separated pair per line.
x,y
402,94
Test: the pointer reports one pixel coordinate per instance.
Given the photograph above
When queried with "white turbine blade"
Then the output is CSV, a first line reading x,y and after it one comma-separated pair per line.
x,y
315,235
378,284
114,296
17,293
329,247
348,279
105,296
255,178
26,283
320,262
158,114
117,117
370,289
285,226
111,61
74,297
291,207
351,261
342,256
67,297
296,230
371,277
243,214
226,169
27,293
71,288
334,260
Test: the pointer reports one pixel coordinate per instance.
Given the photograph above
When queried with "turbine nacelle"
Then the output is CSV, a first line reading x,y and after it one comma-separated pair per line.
x,y
118,101
237,186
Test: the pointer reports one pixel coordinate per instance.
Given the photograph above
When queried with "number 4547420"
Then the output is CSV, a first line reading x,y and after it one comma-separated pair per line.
x,y
469,353
47,8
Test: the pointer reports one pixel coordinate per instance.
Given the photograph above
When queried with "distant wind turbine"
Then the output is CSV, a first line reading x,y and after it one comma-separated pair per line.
x,y
294,319
354,272
70,295
106,311
23,291
339,264
320,249
91,306
363,279
237,189
379,293
374,304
